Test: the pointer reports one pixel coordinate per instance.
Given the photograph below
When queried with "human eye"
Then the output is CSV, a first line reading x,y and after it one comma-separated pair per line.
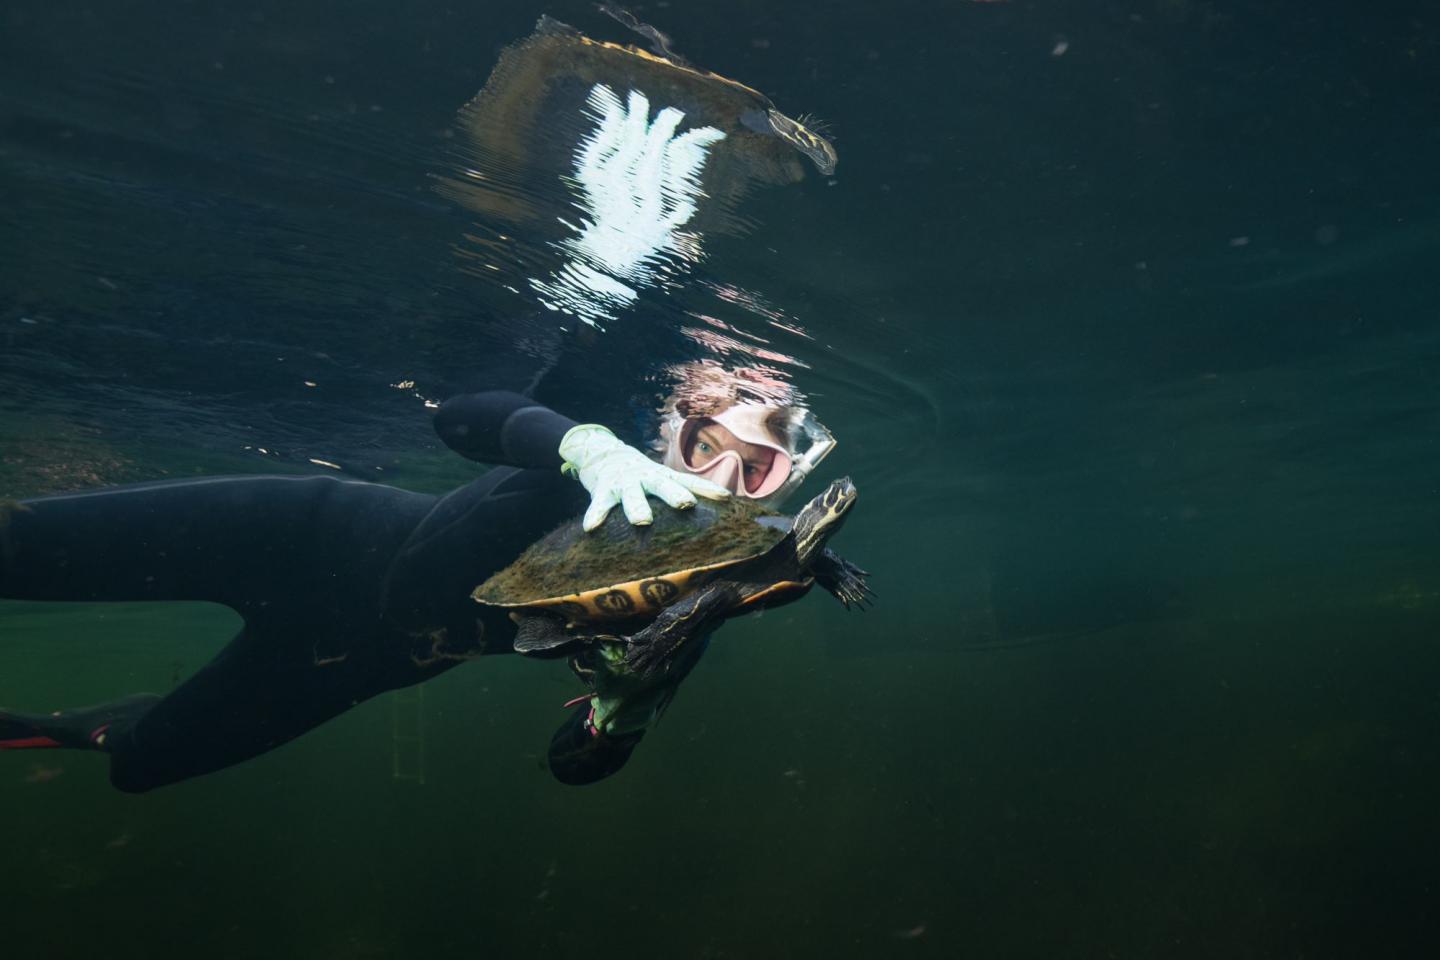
x,y
703,447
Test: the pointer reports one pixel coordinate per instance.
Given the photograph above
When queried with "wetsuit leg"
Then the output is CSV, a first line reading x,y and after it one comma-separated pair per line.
x,y
246,542
261,691
347,590
301,559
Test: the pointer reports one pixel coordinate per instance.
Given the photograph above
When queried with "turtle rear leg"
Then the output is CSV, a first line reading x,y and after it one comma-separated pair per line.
x,y
537,635
843,579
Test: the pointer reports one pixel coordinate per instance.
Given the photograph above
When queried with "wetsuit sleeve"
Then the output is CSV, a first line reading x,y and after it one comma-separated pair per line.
x,y
501,428
469,535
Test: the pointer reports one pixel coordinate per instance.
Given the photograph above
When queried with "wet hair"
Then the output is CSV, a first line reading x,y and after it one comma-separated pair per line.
x,y
705,388
777,423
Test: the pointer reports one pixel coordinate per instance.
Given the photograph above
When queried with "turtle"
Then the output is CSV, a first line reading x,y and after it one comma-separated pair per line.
x,y
658,586
522,129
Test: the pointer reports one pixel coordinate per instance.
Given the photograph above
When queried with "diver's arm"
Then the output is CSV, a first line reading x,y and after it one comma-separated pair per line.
x,y
470,534
498,427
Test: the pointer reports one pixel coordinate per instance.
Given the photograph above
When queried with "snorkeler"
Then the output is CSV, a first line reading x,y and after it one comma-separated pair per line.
x,y
349,589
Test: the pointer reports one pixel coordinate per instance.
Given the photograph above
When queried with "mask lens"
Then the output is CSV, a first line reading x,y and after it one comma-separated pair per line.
x,y
692,448
762,473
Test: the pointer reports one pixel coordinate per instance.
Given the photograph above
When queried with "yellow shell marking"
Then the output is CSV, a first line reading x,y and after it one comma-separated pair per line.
x,y
635,598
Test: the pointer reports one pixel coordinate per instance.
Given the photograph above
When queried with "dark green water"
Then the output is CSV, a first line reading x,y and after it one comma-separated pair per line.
x,y
1126,317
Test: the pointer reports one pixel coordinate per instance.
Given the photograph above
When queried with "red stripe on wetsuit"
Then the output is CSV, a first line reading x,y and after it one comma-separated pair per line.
x,y
27,743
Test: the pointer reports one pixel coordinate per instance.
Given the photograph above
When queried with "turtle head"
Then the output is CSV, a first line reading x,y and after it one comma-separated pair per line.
x,y
822,518
809,140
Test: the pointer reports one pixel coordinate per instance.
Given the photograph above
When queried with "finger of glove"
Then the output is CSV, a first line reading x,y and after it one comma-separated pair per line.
x,y
604,101
651,176
705,488
599,509
649,186
596,151
697,139
679,215
687,153
684,158
632,134
662,130
637,508
606,105
671,492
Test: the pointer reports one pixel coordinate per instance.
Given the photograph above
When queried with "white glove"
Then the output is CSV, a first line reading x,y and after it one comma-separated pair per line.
x,y
615,473
640,185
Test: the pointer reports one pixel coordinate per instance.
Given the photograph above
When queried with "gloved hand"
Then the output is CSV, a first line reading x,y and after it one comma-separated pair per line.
x,y
616,473
640,182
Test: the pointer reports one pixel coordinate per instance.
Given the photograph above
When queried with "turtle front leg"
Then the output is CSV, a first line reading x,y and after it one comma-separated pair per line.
x,y
653,650
843,579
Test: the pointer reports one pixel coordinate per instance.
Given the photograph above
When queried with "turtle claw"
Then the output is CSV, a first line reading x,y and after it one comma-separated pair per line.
x,y
861,600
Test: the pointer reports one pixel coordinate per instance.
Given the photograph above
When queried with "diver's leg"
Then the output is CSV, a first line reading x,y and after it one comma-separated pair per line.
x,y
259,692
245,542
271,684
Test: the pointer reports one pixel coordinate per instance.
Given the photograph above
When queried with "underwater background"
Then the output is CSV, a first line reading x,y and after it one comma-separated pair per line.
x,y
1126,316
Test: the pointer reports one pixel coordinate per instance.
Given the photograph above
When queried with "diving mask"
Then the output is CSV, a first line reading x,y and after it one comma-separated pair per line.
x,y
759,451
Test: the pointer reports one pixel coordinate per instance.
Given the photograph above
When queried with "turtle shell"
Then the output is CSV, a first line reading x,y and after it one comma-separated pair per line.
x,y
621,570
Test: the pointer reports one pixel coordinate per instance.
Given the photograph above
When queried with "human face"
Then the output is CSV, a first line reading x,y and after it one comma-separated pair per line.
x,y
751,468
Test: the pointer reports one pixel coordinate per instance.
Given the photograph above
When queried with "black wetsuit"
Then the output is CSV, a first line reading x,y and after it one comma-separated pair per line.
x,y
347,589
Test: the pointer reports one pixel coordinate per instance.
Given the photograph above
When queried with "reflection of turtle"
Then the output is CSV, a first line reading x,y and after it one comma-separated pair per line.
x,y
522,130
674,580
763,118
